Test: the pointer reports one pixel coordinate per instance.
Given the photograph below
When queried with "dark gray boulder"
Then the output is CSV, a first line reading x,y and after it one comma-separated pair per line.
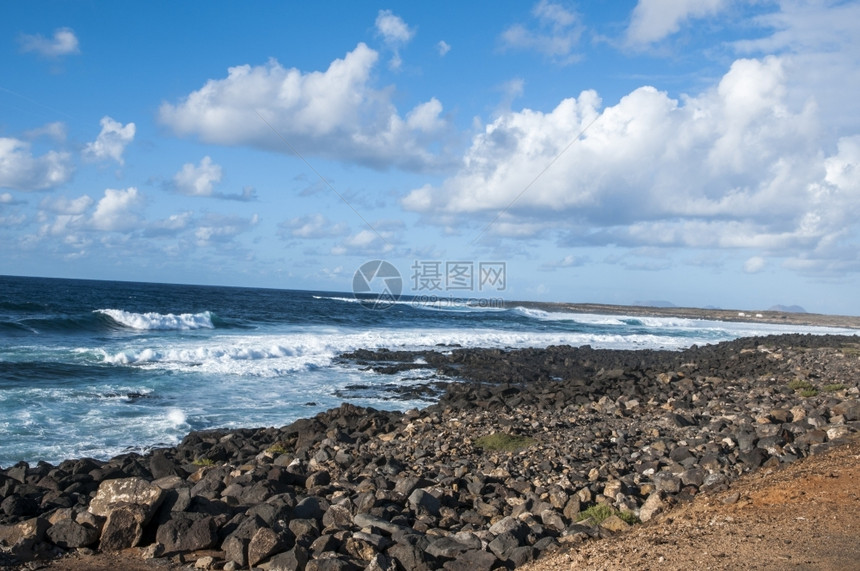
x,y
69,534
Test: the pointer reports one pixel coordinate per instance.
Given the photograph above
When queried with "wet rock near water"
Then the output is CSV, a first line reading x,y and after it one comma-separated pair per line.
x,y
584,443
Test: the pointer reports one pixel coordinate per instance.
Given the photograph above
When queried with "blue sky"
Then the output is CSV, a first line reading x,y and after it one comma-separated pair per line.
x,y
702,152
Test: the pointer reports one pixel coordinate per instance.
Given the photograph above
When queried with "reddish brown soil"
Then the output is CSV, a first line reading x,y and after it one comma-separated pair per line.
x,y
803,516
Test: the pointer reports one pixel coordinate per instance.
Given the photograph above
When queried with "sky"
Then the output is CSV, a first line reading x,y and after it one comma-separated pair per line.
x,y
701,152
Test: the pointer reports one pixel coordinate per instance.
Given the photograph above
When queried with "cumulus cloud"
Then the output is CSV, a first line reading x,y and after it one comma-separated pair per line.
x,y
654,20
315,226
363,243
555,32
367,242
198,180
64,42
821,50
117,210
334,113
737,166
20,170
443,47
111,141
71,219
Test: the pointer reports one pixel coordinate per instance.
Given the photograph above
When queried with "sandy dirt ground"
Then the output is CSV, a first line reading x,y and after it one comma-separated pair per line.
x,y
803,516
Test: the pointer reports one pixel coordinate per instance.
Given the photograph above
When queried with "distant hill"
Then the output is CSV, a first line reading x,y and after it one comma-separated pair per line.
x,y
787,308
654,303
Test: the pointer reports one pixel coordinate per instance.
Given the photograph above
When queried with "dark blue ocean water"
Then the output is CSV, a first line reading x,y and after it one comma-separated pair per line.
x,y
94,368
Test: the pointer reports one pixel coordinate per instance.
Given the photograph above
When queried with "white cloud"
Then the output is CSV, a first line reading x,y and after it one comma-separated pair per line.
x,y
370,241
333,274
392,28
555,32
364,242
64,42
64,217
7,222
653,20
807,27
199,180
395,33
117,210
248,194
315,226
170,226
443,47
63,205
6,198
55,131
569,261
821,50
111,141
754,265
426,117
738,166
335,113
511,90
20,170
219,229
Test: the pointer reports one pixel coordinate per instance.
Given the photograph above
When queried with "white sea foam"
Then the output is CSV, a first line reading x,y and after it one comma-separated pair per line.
x,y
436,303
176,417
584,318
346,299
729,329
159,321
274,355
677,322
277,355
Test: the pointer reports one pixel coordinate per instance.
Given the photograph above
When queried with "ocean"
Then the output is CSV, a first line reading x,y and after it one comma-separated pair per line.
x,y
96,368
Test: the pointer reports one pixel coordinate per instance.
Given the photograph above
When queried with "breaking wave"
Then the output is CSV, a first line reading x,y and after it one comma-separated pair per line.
x,y
159,321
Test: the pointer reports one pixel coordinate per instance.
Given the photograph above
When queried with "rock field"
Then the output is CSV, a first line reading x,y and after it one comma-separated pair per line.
x,y
582,444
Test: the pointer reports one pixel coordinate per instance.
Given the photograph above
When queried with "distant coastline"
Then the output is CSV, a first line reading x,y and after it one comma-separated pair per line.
x,y
734,315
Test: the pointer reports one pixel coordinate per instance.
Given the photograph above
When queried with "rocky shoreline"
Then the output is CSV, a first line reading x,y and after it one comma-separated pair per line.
x,y
534,449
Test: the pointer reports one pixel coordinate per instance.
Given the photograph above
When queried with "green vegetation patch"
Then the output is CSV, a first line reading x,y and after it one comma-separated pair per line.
x,y
599,512
832,388
808,393
800,385
203,462
277,448
503,441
